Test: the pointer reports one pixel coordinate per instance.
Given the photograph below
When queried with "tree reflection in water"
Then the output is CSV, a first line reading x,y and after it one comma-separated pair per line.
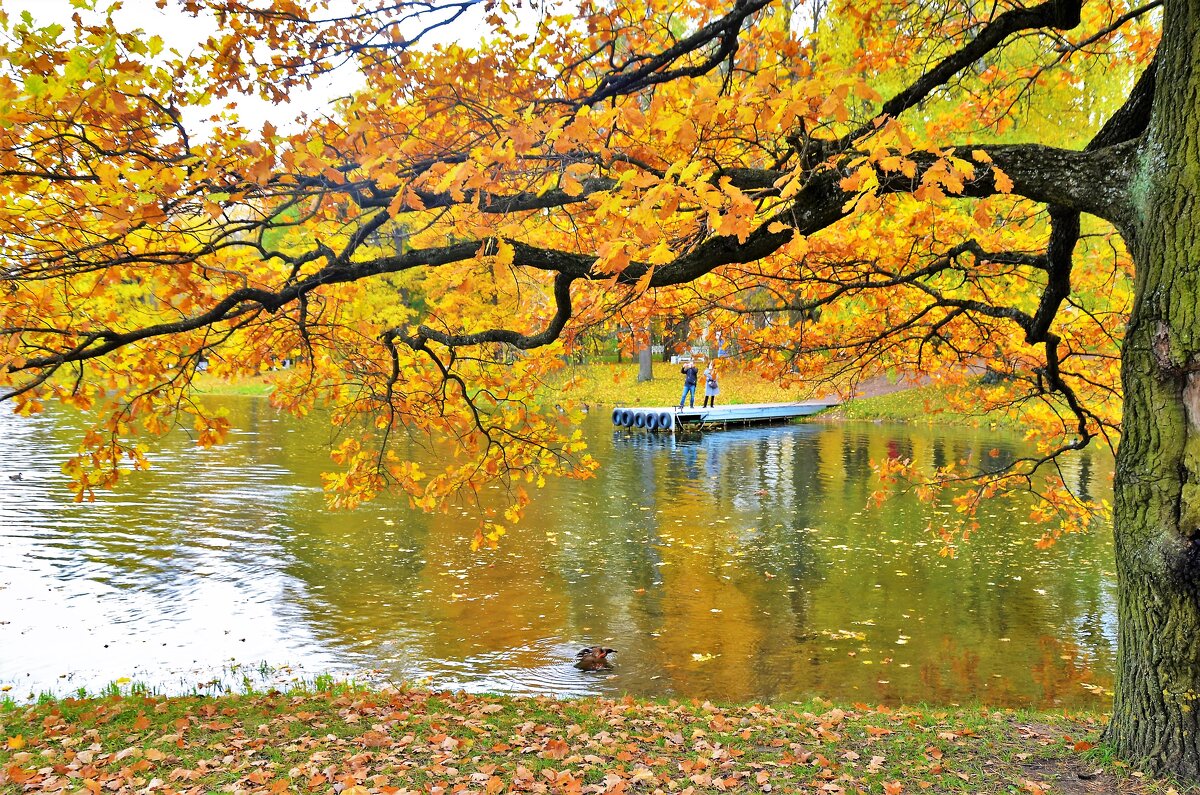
x,y
737,564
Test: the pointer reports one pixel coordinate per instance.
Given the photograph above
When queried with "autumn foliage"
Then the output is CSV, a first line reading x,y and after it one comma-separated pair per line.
x,y
428,250
999,196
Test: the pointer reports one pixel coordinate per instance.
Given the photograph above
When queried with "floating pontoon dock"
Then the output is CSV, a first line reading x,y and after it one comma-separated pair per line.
x,y
669,418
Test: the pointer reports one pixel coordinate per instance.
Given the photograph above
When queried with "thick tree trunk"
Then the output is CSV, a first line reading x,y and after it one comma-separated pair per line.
x,y
1156,714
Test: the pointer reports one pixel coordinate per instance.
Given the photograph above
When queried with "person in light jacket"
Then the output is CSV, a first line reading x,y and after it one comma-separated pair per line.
x,y
710,386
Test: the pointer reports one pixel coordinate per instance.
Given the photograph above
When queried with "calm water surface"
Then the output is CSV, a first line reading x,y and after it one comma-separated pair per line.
x,y
738,565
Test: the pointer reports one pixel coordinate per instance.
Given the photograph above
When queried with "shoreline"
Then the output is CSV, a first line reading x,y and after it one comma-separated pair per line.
x,y
912,403
414,740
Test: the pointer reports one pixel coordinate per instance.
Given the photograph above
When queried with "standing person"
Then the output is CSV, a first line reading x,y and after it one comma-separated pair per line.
x,y
710,386
689,384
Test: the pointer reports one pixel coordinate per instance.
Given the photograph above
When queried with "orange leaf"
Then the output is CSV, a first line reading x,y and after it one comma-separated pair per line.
x,y
556,749
1003,183
643,283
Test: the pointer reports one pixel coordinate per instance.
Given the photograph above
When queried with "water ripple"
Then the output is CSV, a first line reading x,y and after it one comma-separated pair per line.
x,y
738,564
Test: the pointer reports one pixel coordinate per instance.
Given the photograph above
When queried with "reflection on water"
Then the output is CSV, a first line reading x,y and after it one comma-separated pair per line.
x,y
736,565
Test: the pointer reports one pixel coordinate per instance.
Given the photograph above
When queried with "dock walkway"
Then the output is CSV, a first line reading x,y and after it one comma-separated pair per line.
x,y
671,418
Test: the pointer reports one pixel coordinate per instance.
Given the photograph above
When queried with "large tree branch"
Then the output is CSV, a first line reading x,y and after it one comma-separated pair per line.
x,y
1055,14
1128,123
1090,181
562,301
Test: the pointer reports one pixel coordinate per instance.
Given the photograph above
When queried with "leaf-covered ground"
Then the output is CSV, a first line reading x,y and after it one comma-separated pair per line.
x,y
359,742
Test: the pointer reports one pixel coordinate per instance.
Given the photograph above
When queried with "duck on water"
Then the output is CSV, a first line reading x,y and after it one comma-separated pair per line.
x,y
593,659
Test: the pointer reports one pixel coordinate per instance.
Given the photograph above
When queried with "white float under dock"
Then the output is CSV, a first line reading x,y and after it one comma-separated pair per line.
x,y
671,418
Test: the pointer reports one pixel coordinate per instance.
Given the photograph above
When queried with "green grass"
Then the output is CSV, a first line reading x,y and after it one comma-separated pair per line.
x,y
922,404
252,386
417,740
607,385
603,385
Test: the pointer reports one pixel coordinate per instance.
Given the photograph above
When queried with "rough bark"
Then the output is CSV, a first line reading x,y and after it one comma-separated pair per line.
x,y
1157,506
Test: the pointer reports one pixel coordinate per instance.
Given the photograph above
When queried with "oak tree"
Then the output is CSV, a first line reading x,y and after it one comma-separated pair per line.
x,y
942,187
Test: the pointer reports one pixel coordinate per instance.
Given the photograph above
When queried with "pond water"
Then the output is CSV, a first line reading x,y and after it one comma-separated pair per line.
x,y
741,564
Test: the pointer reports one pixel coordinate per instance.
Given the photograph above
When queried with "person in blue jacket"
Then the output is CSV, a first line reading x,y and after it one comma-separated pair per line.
x,y
689,384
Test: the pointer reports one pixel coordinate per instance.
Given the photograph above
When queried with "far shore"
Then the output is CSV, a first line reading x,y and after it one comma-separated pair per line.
x,y
603,386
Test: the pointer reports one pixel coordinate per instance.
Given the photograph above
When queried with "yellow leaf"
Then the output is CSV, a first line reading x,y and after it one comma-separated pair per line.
x,y
643,283
1003,183
504,253
413,200
929,193
963,167
570,185
691,171
864,91
16,742
834,102
851,182
614,257
660,254
890,163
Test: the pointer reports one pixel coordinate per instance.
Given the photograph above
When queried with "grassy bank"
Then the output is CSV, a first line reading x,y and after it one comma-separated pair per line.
x,y
595,384
616,384
357,742
927,405
608,385
256,386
